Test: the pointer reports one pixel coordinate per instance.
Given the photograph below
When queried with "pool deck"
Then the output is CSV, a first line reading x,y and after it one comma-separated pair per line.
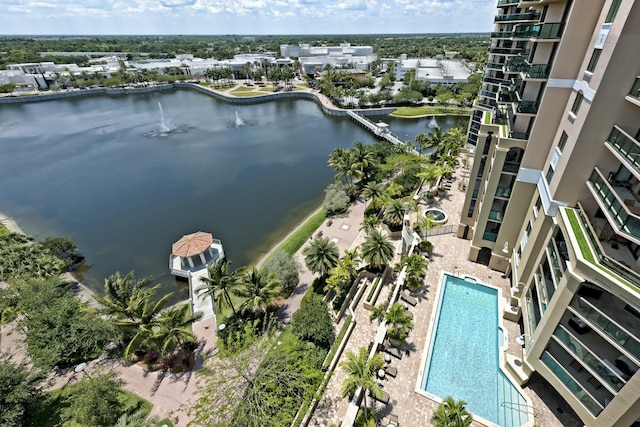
x,y
413,409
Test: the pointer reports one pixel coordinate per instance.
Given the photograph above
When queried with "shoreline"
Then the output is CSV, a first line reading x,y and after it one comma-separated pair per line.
x,y
83,292
264,257
10,224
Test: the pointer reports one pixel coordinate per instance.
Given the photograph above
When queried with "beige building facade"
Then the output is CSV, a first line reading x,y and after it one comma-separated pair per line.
x,y
553,198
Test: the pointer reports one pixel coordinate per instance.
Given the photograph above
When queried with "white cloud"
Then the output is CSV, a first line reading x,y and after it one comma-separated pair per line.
x,y
246,16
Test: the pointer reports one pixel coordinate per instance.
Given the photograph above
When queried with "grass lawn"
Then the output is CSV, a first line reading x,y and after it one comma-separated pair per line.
x,y
243,89
303,232
244,94
290,246
429,110
51,405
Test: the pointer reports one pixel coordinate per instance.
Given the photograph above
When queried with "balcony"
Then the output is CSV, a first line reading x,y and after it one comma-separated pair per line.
x,y
635,90
592,252
507,2
547,31
618,203
529,16
510,167
494,65
488,93
537,71
494,80
626,147
502,35
519,135
528,107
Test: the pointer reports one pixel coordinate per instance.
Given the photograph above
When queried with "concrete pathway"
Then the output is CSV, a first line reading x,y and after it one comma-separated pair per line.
x,y
344,230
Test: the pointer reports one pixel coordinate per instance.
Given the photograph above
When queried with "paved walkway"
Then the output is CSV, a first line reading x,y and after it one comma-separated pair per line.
x,y
344,230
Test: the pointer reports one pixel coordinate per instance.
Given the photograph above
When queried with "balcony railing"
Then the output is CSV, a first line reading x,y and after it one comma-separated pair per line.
x,y
495,80
538,71
496,215
488,94
635,90
502,35
510,167
539,31
519,135
629,148
506,2
530,16
499,50
599,320
625,221
503,192
494,65
570,383
528,107
592,251
491,237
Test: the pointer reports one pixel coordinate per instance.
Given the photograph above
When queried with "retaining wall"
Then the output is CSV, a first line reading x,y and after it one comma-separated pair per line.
x,y
327,108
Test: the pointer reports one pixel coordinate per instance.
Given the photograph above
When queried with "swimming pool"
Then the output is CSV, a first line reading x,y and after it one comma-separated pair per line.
x,y
463,359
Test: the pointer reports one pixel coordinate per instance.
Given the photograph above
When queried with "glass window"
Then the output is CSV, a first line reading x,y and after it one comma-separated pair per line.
x,y
613,10
594,60
563,141
550,174
537,207
472,206
576,103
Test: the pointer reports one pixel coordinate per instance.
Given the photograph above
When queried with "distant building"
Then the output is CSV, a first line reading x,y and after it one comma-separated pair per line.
x,y
447,72
314,58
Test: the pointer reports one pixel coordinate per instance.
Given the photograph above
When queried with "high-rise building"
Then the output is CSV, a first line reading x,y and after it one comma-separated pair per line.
x,y
553,196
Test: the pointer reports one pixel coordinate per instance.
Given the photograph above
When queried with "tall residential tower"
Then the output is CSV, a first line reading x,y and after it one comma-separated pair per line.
x,y
553,198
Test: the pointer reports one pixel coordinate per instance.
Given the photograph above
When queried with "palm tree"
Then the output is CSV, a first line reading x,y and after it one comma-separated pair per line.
x,y
136,419
423,140
394,212
172,330
321,256
416,266
451,413
345,164
131,301
374,191
400,323
345,270
339,159
430,174
220,285
361,373
377,249
363,156
260,290
369,223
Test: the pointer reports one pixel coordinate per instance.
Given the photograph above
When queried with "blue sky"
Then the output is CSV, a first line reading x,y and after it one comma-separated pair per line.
x,y
245,16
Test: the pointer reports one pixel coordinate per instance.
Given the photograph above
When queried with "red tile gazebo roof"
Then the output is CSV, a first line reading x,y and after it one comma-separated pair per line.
x,y
192,244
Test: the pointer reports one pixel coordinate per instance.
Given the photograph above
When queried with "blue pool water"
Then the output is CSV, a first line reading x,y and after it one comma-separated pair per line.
x,y
464,360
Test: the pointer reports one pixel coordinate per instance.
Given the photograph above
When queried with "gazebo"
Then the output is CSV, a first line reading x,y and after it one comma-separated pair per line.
x,y
194,252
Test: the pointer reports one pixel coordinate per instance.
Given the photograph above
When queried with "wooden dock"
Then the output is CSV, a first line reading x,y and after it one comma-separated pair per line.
x,y
198,302
375,128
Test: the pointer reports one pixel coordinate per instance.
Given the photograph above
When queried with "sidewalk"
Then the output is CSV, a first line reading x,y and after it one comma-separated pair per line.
x,y
344,230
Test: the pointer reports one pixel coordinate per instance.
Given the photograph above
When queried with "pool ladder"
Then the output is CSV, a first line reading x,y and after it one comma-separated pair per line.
x,y
518,406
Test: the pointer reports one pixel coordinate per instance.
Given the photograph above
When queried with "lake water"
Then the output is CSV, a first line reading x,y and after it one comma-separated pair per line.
x,y
98,170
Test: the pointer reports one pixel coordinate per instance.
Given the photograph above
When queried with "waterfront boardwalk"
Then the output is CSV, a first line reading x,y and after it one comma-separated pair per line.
x,y
382,132
201,303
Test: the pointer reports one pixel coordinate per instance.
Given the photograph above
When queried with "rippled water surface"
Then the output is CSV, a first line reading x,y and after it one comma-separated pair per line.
x,y
106,172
